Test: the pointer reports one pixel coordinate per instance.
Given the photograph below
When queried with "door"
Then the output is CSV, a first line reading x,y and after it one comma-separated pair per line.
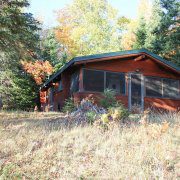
x,y
136,92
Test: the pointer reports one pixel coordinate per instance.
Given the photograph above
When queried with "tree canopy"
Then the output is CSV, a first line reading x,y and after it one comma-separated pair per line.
x,y
88,27
18,30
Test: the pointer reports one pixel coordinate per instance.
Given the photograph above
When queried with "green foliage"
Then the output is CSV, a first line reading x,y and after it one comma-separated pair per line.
x,y
91,117
10,171
108,99
160,33
168,31
51,49
18,40
104,121
123,21
18,91
141,34
18,29
24,93
69,105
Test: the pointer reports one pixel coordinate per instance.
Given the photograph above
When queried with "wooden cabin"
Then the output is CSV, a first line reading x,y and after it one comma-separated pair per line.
x,y
140,78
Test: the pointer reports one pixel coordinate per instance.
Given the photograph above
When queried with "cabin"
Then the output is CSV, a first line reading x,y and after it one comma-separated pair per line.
x,y
140,79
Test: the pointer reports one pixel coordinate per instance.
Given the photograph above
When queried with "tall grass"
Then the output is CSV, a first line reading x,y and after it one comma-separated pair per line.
x,y
41,147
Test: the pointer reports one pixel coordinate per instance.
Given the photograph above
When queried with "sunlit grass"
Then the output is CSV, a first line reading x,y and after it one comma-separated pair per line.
x,y
40,146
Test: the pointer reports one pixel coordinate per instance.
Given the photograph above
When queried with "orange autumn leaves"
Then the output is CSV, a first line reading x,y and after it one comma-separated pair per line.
x,y
38,69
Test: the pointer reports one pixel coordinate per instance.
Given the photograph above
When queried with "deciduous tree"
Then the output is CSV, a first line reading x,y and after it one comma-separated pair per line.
x,y
38,69
88,27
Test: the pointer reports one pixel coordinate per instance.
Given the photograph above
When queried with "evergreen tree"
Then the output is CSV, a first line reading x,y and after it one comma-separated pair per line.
x,y
52,50
18,40
168,31
141,34
18,29
153,24
24,92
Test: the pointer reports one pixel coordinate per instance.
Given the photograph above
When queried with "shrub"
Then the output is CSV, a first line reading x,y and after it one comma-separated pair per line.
x,y
108,99
69,105
119,112
103,122
91,117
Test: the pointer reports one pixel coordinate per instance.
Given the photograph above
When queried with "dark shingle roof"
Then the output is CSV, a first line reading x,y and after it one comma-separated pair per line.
x,y
106,55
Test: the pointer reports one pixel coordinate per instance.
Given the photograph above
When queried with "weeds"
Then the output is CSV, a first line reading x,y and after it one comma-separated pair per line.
x,y
40,148
109,99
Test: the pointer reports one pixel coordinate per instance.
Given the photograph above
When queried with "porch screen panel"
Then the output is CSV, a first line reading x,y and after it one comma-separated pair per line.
x,y
116,82
74,82
153,87
93,80
171,88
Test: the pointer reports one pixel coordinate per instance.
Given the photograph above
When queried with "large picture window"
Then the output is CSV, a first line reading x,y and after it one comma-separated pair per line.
x,y
162,87
93,80
98,81
116,82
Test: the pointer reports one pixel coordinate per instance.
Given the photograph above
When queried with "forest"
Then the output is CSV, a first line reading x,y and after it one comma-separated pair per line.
x,y
30,53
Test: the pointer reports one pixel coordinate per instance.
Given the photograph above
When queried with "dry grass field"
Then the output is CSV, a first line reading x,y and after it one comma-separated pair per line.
x,y
43,146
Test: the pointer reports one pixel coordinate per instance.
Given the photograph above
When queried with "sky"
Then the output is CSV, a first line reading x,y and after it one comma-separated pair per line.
x,y
45,10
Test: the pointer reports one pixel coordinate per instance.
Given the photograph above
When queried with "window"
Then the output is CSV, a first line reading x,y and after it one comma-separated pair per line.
x,y
116,82
60,86
170,88
98,81
74,82
162,87
93,80
153,87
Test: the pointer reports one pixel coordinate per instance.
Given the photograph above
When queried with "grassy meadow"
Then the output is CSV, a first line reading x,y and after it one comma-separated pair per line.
x,y
45,146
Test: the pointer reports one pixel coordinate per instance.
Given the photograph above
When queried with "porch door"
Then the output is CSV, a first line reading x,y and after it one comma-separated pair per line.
x,y
136,92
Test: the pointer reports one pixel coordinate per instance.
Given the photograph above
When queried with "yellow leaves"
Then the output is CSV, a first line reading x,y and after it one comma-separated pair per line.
x,y
38,69
86,27
145,9
164,127
105,118
129,37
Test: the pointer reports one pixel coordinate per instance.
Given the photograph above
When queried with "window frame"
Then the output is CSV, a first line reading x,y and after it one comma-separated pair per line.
x,y
162,86
104,71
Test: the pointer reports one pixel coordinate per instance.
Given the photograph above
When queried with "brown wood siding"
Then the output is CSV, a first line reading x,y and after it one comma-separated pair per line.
x,y
60,97
147,67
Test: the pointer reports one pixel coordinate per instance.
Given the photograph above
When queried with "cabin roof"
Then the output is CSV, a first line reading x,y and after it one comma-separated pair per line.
x,y
106,55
